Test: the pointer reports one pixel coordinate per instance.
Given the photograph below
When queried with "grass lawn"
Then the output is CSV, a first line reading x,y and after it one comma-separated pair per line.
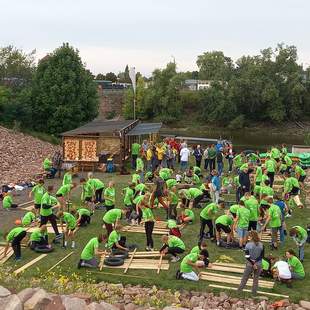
x,y
166,279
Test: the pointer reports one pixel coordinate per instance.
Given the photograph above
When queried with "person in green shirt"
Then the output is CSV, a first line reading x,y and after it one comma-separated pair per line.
x,y
14,238
140,168
49,202
29,219
187,216
98,187
202,248
274,216
300,174
212,156
242,223
7,202
63,194
271,169
83,217
71,226
135,150
283,150
238,160
275,153
206,218
111,218
224,223
128,193
189,262
265,189
252,204
109,196
67,179
39,239
135,178
266,268
90,251
300,236
87,194
258,175
296,267
173,246
292,189
47,164
37,192
149,222
288,162
115,241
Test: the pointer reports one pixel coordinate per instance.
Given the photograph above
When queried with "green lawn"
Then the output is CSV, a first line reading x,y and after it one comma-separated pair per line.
x,y
166,279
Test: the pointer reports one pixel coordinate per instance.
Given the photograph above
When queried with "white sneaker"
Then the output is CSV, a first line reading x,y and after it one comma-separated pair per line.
x,y
175,259
147,249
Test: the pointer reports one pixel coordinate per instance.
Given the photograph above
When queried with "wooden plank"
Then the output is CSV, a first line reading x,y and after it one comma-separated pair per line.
x,y
229,265
224,268
102,260
160,263
50,229
26,203
60,261
246,290
130,260
18,271
9,253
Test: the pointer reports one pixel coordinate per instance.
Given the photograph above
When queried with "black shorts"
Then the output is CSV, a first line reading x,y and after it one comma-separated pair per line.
x,y
234,215
302,178
220,227
59,195
37,206
252,225
88,199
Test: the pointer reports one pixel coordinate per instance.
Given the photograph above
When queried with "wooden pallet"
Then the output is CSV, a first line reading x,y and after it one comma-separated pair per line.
x,y
148,264
223,278
147,254
9,253
246,290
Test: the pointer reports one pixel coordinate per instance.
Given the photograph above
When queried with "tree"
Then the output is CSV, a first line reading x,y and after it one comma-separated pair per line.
x,y
101,77
64,95
111,77
214,66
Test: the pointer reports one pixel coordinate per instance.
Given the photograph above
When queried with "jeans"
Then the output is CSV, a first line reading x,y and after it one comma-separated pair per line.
x,y
212,164
246,275
192,276
149,226
207,162
220,168
271,178
198,162
230,164
16,243
134,161
301,248
203,223
183,165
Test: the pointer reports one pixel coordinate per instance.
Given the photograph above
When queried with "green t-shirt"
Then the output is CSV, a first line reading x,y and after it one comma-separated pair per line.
x,y
140,164
13,233
296,266
264,178
129,194
244,166
238,160
224,220
165,173
185,267
114,237
172,224
301,233
87,191
67,179
270,165
96,184
289,183
109,196
175,242
275,216
140,187
288,160
135,148
7,202
236,181
257,189
209,211
89,251
173,198
36,235
225,181
171,182
70,220
28,218
47,164
48,200
265,264
259,174
300,171
253,205
194,192
112,216
189,213
195,250
234,208
135,178
243,215
147,215
138,199
211,153
83,211
267,190
64,190
275,153
38,192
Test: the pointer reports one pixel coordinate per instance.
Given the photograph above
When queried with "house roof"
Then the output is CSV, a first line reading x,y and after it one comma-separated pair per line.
x,y
144,129
99,126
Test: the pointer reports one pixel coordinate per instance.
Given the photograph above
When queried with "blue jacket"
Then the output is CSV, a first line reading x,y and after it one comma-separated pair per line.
x,y
216,182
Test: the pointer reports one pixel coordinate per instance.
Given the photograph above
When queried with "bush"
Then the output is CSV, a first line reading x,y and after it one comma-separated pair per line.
x,y
237,123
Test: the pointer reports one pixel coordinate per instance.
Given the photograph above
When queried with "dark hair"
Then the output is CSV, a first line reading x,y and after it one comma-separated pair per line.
x,y
204,253
41,181
267,182
102,237
254,236
292,252
82,180
241,203
50,188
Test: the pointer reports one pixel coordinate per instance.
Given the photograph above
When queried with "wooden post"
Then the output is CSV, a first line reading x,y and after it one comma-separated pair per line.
x,y
131,258
102,260
160,263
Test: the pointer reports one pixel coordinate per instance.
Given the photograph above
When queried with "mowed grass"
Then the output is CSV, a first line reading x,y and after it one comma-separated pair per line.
x,y
166,279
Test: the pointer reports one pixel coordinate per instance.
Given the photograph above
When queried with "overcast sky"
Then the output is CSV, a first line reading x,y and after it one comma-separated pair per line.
x,y
149,33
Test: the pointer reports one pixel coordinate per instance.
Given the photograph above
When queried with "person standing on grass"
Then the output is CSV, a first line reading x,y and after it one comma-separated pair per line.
x,y
140,168
296,267
159,191
149,222
109,196
242,223
83,217
63,194
71,226
135,150
37,192
252,204
254,253
271,169
87,194
14,237
198,153
215,189
97,186
212,157
224,223
300,174
184,155
220,161
173,246
300,236
90,251
67,179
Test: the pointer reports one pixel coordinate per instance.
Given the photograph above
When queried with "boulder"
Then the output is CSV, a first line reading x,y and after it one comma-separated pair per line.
x,y
305,304
11,302
175,308
55,304
130,306
86,297
4,292
73,303
107,306
26,294
38,301
95,306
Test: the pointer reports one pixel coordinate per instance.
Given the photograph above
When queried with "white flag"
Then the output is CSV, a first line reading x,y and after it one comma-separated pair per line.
x,y
132,75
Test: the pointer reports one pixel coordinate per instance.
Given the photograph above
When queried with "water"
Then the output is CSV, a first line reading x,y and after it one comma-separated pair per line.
x,y
242,139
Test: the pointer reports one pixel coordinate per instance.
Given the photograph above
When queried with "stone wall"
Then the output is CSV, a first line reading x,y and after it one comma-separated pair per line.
x,y
111,102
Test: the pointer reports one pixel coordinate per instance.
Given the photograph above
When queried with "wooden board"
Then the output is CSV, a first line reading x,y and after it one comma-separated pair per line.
x,y
230,265
130,260
246,290
151,264
54,266
49,229
18,271
140,229
26,203
9,253
224,268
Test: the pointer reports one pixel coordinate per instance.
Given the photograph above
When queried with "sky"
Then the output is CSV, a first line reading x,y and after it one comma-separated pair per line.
x,y
147,34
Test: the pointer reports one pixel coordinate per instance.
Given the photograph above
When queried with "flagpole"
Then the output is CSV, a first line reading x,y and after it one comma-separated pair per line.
x,y
132,75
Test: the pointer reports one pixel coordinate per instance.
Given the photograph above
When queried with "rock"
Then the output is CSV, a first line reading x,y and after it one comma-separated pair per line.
x,y
55,304
289,308
130,306
27,293
73,303
95,306
107,306
4,292
119,306
86,297
11,302
194,301
38,301
305,304
175,308
223,296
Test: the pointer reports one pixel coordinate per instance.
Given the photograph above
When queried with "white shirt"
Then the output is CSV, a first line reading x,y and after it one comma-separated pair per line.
x,y
283,269
184,154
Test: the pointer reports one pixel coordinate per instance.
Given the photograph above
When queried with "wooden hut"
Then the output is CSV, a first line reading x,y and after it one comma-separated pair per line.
x,y
87,145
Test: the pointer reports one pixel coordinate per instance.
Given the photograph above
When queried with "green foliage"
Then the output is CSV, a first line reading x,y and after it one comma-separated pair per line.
x,y
110,76
111,114
307,138
64,95
237,123
100,76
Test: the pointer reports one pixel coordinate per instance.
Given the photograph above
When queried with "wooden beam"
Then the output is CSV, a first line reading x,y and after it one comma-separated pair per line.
x,y
229,265
224,268
54,266
18,271
102,258
130,260
246,290
160,263
26,203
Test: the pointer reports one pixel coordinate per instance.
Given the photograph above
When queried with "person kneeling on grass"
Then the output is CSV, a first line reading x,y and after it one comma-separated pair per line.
x,y
189,262
29,219
7,202
300,236
71,226
172,245
174,229
63,194
224,223
115,241
14,237
187,216
39,239
296,267
281,271
202,249
83,217
91,250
